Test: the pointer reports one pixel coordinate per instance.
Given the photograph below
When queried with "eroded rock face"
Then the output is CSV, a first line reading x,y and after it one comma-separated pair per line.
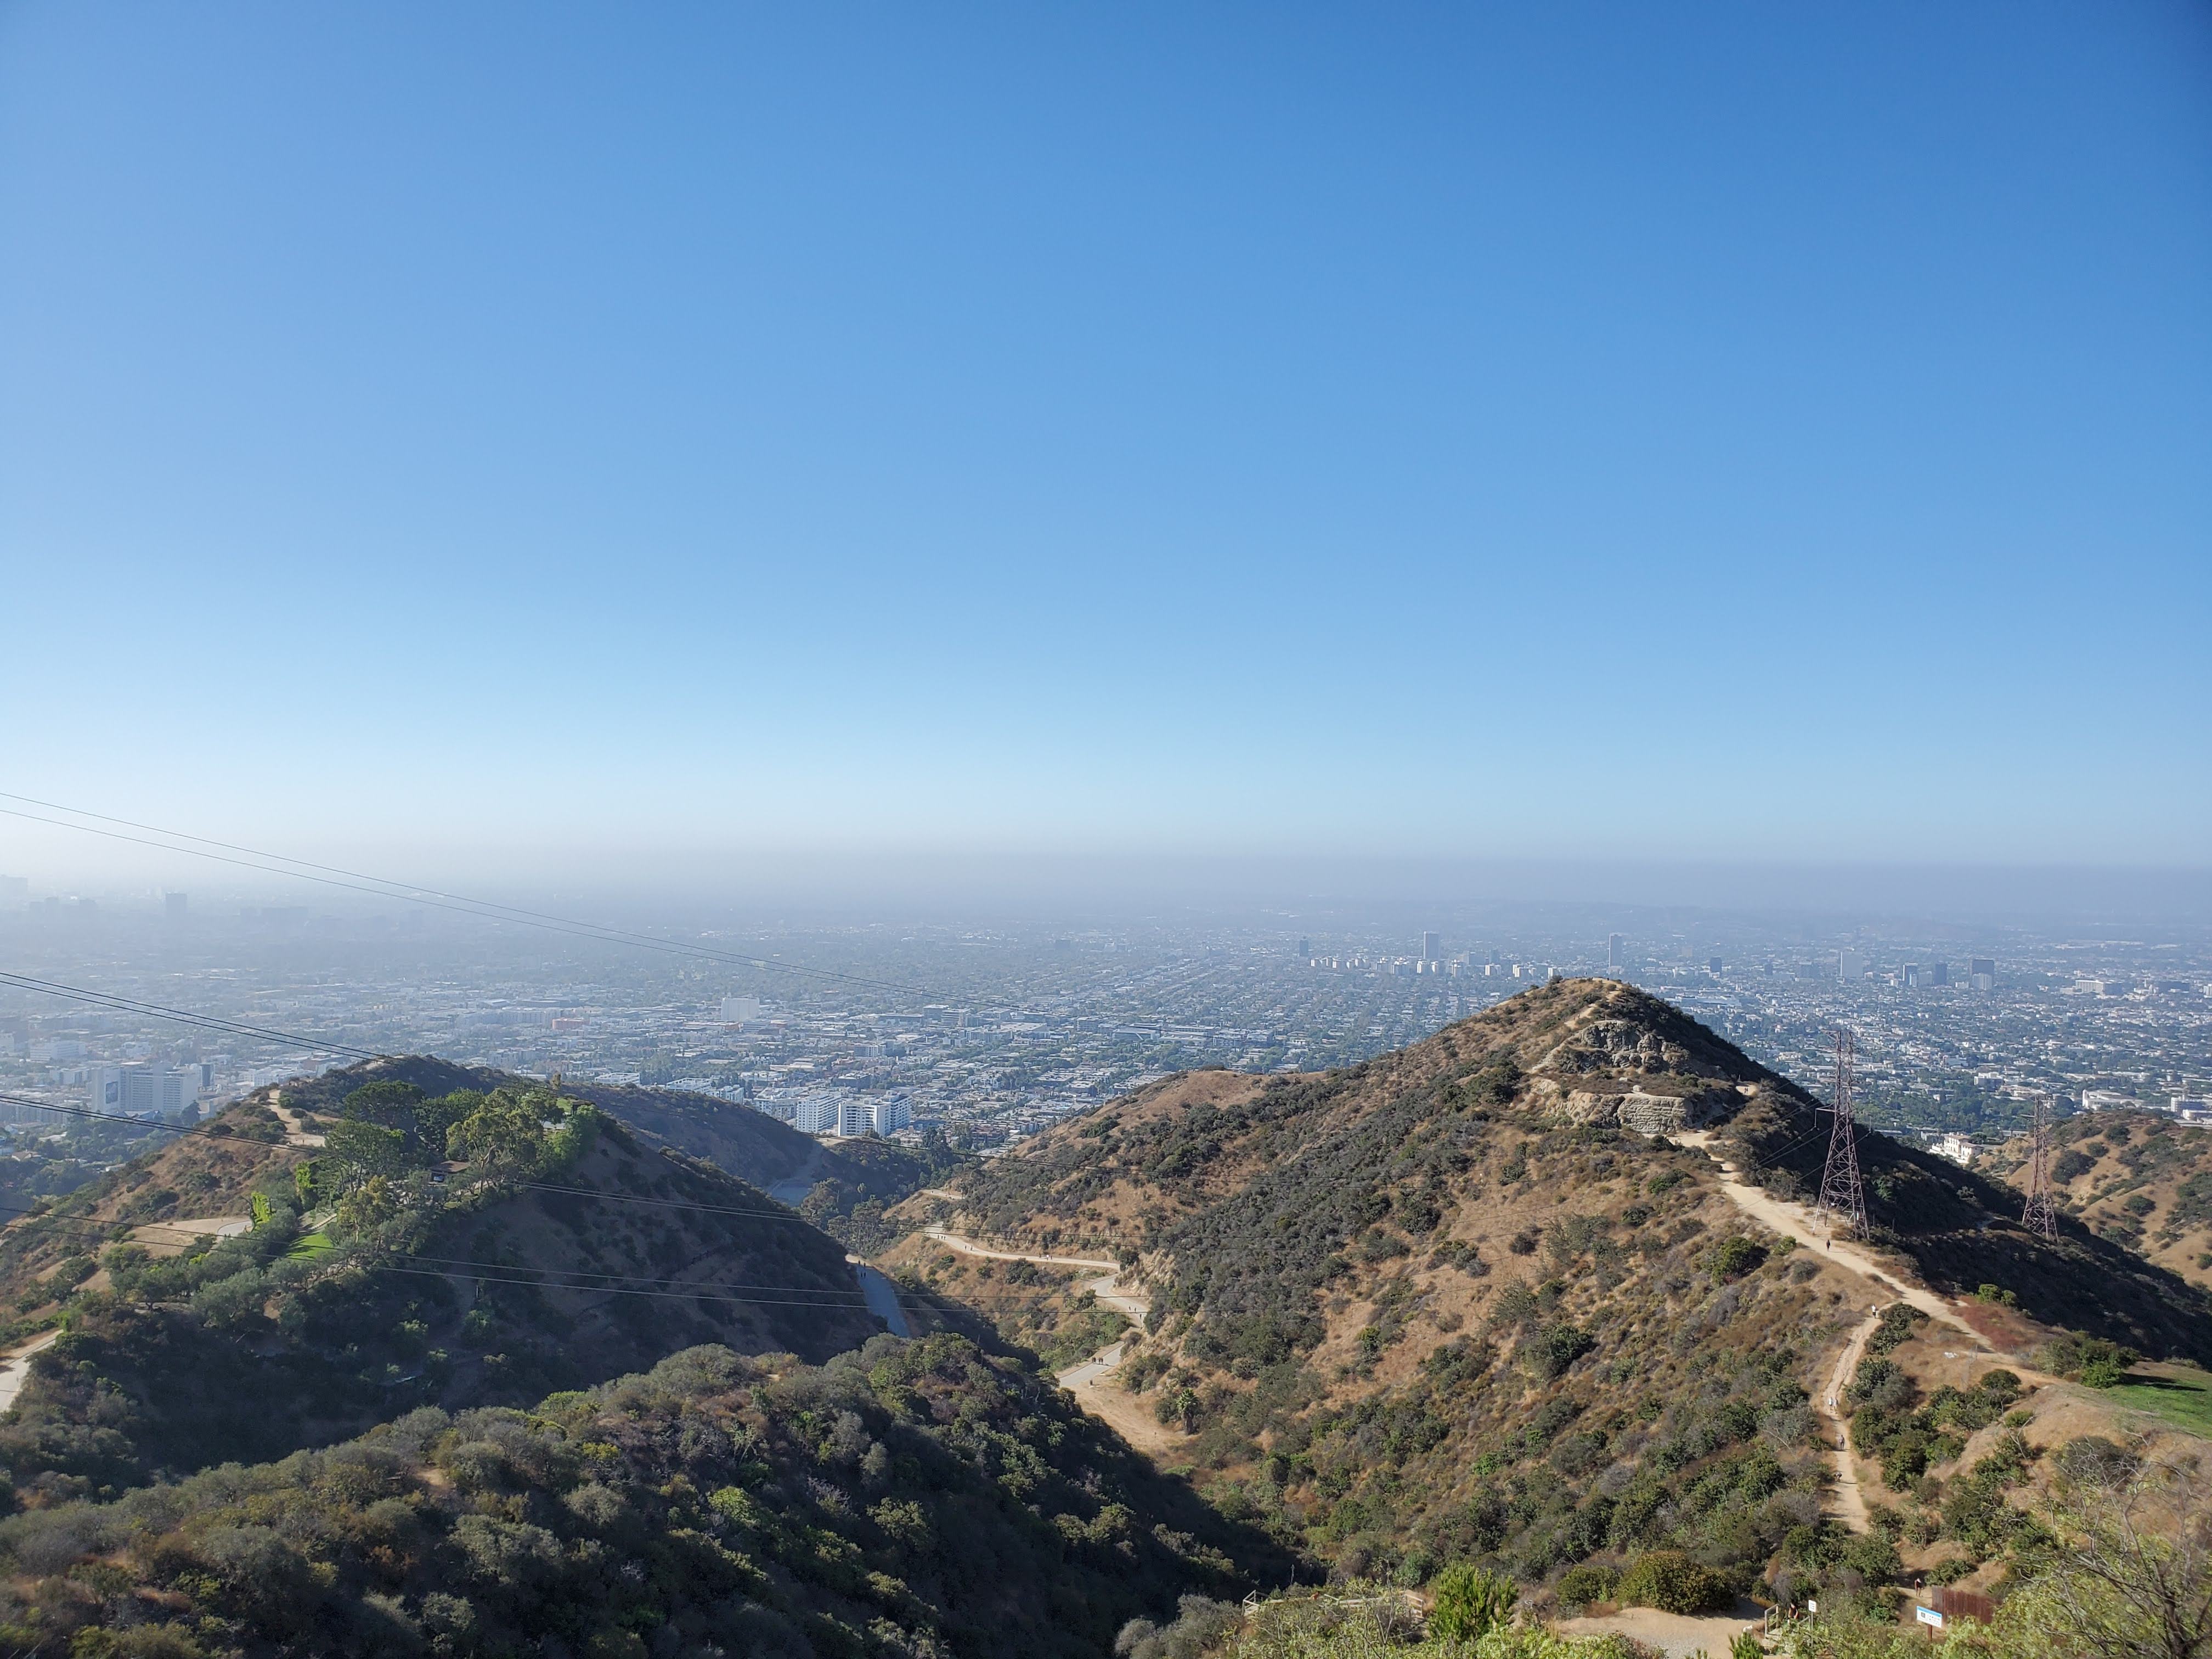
x,y
1616,1045
1661,1114
1642,1110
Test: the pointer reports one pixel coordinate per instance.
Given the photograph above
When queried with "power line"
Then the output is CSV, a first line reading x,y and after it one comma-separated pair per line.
x,y
1841,1193
631,1278
280,864
150,1124
2039,1214
212,1022
155,1125
660,1203
669,1296
188,1235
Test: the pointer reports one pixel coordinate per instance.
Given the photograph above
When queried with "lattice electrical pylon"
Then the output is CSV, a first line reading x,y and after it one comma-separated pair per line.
x,y
2038,1215
1841,1196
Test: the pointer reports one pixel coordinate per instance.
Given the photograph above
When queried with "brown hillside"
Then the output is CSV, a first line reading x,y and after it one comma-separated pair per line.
x,y
1457,1302
2138,1179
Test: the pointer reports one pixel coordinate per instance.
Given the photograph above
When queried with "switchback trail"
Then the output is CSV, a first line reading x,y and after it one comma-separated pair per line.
x,y
1093,1382
1795,1221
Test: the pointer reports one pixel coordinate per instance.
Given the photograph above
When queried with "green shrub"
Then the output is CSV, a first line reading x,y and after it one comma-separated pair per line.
x,y
1671,1582
2081,1358
1469,1602
1734,1257
1579,1586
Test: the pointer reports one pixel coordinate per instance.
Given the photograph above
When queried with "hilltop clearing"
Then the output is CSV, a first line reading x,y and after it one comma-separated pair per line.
x,y
1476,1300
2138,1179
913,1499
563,1249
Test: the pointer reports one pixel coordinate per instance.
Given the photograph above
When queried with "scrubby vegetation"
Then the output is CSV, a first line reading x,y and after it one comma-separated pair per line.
x,y
407,1292
912,1499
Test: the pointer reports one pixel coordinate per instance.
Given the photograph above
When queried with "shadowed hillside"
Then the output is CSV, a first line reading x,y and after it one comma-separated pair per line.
x,y
911,1499
567,1248
2139,1179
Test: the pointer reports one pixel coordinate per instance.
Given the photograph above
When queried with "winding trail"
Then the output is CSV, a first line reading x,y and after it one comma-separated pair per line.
x,y
1797,1222
1847,1497
1092,1382
296,1132
1849,1500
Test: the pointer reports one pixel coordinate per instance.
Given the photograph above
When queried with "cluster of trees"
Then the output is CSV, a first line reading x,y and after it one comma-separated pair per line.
x,y
913,1499
391,1128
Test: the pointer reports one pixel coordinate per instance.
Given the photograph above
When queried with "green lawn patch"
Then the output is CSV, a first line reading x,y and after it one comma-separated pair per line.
x,y
312,1245
2183,1399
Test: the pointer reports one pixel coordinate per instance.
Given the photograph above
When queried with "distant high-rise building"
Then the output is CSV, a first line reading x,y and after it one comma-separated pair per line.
x,y
891,1114
1939,973
1911,976
1713,966
1431,947
174,904
1305,945
740,1011
1616,951
1849,964
145,1090
855,1117
1984,976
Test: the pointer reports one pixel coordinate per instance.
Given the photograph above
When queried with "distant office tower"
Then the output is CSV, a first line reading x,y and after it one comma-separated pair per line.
x,y
1615,951
1305,946
1713,966
892,1113
1431,947
1849,964
145,1090
1939,973
1984,976
740,1011
174,904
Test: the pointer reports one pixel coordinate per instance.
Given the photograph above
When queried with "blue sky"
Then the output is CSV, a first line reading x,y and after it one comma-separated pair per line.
x,y
1710,432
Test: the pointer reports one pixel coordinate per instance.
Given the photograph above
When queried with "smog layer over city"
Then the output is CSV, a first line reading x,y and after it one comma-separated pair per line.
x,y
1261,833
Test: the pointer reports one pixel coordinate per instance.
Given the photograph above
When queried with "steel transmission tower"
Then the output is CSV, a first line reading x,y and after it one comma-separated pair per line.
x,y
1840,1192
2037,1215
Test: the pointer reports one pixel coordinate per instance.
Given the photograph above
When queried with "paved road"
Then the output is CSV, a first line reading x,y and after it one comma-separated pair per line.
x,y
883,1297
17,1370
793,1189
1104,1362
